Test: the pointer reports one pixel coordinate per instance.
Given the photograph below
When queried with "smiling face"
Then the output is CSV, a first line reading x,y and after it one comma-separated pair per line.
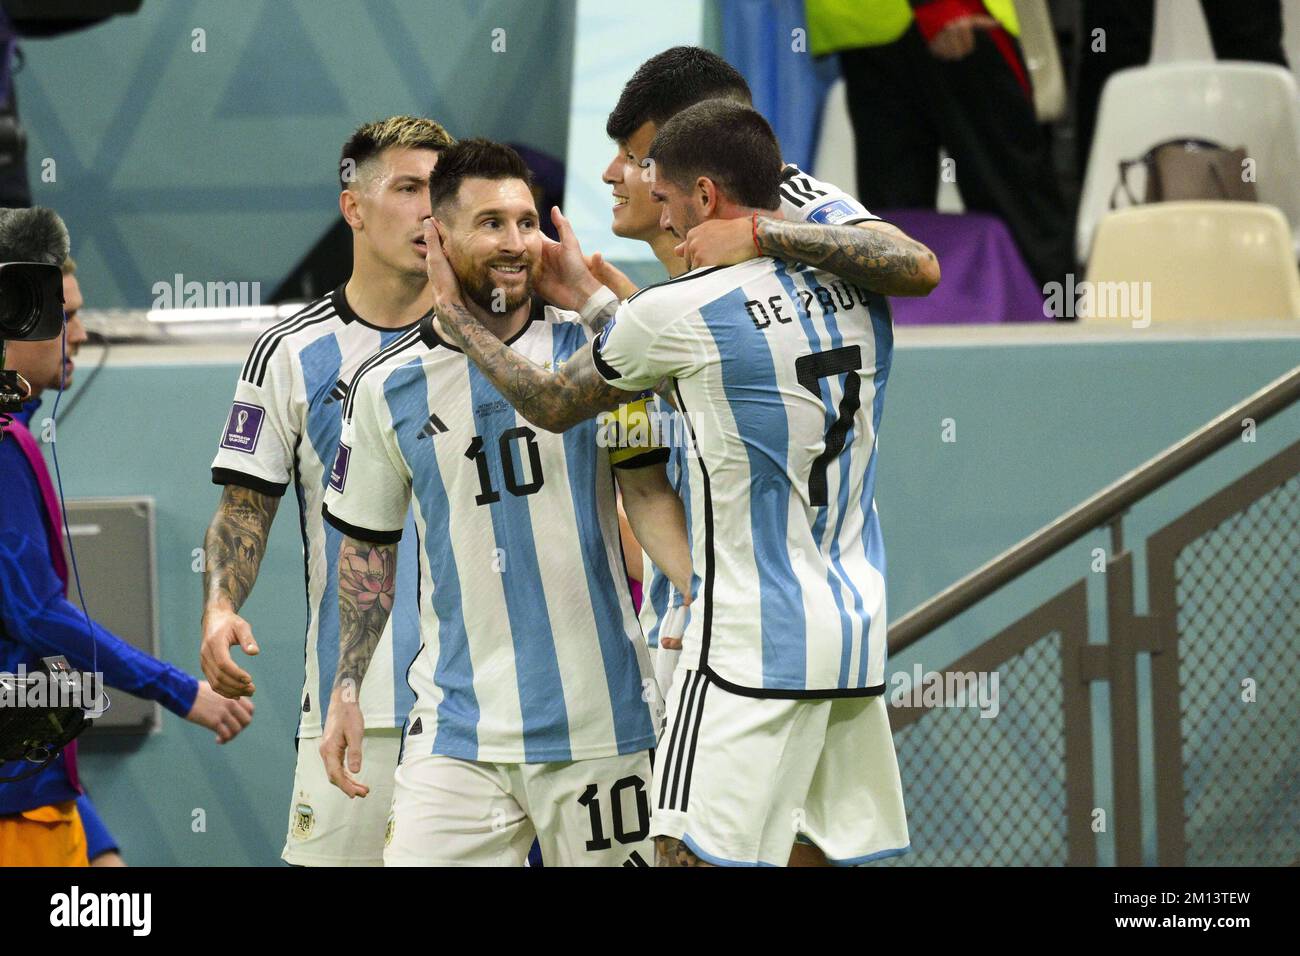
x,y
635,214
494,243
387,204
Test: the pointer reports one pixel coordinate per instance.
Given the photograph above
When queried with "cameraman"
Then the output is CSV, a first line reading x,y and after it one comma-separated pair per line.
x,y
39,821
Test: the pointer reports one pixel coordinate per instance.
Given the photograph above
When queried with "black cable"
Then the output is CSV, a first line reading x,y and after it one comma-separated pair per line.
x,y
94,372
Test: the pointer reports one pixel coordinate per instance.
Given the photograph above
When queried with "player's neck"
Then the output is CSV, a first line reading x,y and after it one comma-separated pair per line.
x,y
504,325
387,298
662,246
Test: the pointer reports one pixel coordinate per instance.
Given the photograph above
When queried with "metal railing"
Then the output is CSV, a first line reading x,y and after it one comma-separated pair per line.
x,y
1224,623
1102,508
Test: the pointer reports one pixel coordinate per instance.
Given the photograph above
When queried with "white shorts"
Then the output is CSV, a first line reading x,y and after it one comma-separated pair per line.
x,y
453,812
326,827
738,779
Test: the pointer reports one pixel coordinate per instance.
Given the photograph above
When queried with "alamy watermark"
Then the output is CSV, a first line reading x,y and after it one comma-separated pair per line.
x,y
41,689
633,427
1098,300
192,294
947,689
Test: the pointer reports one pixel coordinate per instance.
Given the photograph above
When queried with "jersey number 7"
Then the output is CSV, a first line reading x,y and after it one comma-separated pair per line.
x,y
810,370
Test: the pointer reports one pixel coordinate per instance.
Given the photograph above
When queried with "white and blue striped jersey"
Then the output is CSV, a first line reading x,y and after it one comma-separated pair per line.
x,y
283,429
780,371
532,651
803,199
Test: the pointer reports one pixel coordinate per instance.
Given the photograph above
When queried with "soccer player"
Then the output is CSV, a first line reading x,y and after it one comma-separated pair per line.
x,y
283,428
777,727
886,261
531,716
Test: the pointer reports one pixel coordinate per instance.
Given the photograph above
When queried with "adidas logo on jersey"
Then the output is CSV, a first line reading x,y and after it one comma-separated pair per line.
x,y
416,728
434,426
337,393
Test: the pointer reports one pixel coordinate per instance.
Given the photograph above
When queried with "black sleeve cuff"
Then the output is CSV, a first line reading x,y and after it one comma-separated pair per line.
x,y
657,457
361,534
228,476
607,371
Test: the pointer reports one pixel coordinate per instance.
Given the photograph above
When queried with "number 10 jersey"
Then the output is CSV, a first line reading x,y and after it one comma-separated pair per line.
x,y
531,649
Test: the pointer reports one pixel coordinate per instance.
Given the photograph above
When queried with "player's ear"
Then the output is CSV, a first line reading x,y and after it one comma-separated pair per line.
x,y
708,193
350,208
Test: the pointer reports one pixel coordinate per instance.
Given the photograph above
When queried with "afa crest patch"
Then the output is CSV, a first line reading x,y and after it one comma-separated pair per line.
x,y
304,818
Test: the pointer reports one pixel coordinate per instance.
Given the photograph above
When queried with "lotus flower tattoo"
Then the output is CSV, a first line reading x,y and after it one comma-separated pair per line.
x,y
369,578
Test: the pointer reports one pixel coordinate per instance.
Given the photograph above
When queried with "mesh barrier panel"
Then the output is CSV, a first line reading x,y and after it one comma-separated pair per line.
x,y
990,791
1238,597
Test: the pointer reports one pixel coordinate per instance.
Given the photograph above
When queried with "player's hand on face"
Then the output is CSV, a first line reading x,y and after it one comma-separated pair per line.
x,y
340,745
718,242
565,279
446,287
610,276
219,714
222,630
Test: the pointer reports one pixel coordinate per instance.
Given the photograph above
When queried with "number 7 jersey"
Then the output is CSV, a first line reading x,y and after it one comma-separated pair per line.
x,y
532,651
780,371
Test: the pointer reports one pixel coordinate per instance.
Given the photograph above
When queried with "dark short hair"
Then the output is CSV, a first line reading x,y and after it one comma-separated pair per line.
x,y
473,159
729,143
670,81
371,139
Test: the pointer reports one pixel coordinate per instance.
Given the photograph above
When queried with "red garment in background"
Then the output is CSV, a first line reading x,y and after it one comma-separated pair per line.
x,y
932,17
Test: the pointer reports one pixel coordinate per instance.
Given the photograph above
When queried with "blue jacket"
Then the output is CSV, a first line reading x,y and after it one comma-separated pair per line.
x,y
36,620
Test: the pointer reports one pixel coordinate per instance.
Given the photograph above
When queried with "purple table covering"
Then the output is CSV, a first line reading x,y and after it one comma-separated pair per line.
x,y
983,277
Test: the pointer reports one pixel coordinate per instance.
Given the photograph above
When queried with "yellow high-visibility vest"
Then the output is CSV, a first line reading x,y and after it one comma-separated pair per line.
x,y
848,24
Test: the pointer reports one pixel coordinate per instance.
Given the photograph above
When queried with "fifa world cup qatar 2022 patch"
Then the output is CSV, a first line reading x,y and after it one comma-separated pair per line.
x,y
243,427
339,472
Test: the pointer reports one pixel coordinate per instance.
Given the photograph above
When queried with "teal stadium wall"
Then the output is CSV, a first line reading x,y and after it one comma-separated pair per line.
x,y
1038,428
222,165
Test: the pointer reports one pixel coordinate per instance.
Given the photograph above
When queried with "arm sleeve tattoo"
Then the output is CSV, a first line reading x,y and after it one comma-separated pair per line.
x,y
366,586
555,400
880,259
235,543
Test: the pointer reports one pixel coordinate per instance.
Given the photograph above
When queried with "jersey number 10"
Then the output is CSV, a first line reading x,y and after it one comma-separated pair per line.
x,y
477,453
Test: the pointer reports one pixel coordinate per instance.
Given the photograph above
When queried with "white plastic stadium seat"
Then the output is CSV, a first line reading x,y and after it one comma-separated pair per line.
x,y
1235,104
1206,261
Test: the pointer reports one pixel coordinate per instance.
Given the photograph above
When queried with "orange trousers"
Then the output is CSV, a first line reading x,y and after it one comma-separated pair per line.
x,y
46,836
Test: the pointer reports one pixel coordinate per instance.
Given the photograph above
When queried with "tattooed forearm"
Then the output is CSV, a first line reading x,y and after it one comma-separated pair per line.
x,y
673,852
555,400
366,576
881,259
235,543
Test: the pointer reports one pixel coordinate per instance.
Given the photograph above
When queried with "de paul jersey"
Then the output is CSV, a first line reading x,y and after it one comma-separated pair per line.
x,y
803,199
780,373
282,430
532,652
